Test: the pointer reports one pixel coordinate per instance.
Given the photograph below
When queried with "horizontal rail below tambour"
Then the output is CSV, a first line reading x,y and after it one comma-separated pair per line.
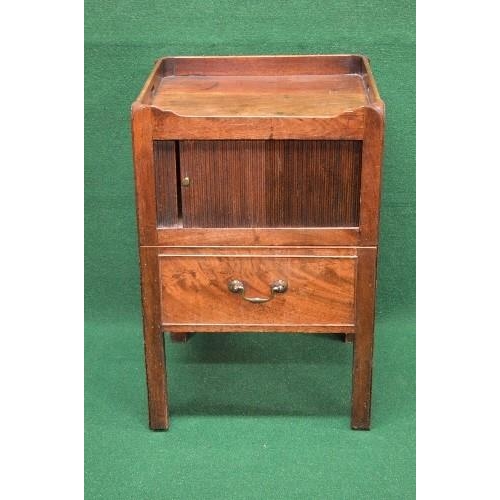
x,y
258,236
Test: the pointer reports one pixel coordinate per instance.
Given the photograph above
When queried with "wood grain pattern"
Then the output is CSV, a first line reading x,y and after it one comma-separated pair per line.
x,y
250,183
144,174
363,338
260,328
371,89
299,194
322,64
258,236
371,183
348,125
312,184
154,340
195,290
258,251
258,96
227,181
151,84
165,164
180,337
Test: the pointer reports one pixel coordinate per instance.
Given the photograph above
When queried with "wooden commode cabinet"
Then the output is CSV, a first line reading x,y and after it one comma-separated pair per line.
x,y
258,192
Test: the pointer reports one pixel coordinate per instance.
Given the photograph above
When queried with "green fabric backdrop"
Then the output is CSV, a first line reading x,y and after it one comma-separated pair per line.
x,y
253,416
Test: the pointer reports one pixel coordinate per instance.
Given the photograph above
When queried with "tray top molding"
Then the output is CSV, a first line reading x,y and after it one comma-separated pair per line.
x,y
245,91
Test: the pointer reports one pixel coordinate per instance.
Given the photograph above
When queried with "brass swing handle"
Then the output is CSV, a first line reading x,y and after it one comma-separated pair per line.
x,y
278,286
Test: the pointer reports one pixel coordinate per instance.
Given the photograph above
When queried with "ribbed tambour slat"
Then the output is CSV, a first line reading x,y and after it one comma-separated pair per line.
x,y
253,183
167,212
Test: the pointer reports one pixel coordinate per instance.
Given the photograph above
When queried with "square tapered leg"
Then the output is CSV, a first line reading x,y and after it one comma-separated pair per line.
x,y
154,341
363,339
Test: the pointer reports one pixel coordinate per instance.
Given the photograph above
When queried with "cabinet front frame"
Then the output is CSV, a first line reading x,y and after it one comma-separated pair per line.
x,y
151,234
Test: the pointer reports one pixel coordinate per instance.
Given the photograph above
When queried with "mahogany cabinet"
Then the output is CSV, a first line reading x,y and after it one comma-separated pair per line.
x,y
258,191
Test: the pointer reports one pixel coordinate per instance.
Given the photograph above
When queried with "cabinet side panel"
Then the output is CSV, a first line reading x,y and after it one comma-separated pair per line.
x,y
166,183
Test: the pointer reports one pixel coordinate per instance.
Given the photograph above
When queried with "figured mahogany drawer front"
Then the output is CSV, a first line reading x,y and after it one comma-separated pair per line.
x,y
257,290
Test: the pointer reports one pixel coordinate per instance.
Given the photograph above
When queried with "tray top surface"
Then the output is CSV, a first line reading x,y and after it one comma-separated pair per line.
x,y
299,95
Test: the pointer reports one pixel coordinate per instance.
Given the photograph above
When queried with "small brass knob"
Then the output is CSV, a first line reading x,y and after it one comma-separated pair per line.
x,y
279,286
236,286
185,181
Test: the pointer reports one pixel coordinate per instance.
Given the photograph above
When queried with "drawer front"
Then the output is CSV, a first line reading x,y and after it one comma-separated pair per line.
x,y
195,290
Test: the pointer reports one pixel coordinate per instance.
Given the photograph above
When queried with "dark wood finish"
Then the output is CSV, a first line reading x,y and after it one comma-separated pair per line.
x,y
227,183
180,337
167,203
324,177
154,340
363,339
262,65
248,183
144,174
151,84
287,216
284,97
195,290
260,328
349,338
259,236
169,125
372,171
261,95
258,251
371,89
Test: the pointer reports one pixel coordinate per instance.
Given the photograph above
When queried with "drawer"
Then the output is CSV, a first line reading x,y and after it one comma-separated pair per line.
x,y
243,291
